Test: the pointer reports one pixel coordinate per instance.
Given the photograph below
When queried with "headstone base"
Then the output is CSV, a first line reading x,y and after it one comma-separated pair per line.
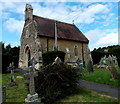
x,y
32,98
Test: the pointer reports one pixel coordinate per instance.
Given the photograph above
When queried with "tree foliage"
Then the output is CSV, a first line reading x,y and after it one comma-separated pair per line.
x,y
9,55
97,54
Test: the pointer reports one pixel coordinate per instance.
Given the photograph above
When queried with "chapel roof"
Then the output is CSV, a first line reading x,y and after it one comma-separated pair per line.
x,y
46,28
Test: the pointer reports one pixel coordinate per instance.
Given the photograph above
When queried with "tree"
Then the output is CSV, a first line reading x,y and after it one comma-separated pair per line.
x,y
9,55
97,54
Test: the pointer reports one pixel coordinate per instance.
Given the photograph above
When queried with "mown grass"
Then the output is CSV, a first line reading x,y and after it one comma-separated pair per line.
x,y
102,76
86,96
16,93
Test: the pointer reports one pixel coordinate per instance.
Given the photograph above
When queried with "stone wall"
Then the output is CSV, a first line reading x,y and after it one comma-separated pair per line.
x,y
48,45
28,38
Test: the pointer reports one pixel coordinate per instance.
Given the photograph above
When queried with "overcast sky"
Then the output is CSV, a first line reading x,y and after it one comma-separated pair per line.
x,y
97,20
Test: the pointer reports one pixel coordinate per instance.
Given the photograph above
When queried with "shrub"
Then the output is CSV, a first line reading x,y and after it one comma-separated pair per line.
x,y
49,57
56,81
6,59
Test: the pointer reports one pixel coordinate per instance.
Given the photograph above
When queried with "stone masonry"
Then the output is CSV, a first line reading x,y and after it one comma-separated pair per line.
x,y
33,45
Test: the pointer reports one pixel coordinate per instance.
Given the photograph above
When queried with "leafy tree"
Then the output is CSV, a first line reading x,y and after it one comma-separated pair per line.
x,y
97,54
9,55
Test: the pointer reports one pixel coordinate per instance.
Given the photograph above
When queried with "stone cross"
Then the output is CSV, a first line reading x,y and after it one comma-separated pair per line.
x,y
11,68
31,75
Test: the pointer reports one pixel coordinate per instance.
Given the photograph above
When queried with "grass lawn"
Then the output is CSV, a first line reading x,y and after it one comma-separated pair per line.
x,y
101,76
16,93
19,93
87,96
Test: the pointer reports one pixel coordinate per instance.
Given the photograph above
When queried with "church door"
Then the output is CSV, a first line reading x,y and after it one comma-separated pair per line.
x,y
27,56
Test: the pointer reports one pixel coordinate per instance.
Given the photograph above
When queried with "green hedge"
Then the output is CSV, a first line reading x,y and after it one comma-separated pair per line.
x,y
49,57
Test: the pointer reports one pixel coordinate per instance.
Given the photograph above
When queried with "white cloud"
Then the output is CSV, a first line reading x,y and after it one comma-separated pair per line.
x,y
88,14
14,25
101,38
13,7
56,10
109,39
15,44
94,35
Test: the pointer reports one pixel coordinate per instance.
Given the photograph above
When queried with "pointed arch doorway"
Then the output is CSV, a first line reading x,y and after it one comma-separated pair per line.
x,y
27,56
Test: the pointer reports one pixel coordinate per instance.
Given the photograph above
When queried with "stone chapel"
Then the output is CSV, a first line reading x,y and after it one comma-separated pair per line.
x,y
38,36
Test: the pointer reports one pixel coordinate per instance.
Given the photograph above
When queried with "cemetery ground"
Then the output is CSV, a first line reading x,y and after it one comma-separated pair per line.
x,y
102,76
19,93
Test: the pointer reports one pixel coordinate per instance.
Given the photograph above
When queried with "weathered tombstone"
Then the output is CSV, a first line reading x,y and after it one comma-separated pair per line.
x,y
113,69
80,64
33,96
90,62
57,61
3,94
68,54
12,78
40,54
115,60
103,63
33,62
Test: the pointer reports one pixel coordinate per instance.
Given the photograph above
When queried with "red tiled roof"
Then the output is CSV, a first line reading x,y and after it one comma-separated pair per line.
x,y
46,28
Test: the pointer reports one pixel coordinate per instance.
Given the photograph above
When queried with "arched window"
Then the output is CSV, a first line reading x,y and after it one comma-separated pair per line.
x,y
27,57
76,50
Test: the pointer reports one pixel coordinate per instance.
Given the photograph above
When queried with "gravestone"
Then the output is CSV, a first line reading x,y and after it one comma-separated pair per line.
x,y
33,62
57,61
68,54
80,64
103,62
115,60
90,62
12,78
33,96
3,94
113,68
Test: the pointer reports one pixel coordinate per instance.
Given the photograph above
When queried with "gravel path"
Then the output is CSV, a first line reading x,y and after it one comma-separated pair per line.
x,y
101,88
